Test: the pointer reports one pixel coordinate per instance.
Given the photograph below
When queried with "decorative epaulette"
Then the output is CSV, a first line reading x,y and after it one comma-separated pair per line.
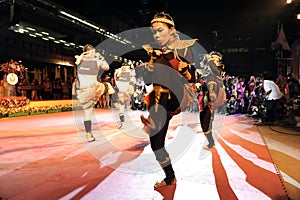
x,y
148,48
181,44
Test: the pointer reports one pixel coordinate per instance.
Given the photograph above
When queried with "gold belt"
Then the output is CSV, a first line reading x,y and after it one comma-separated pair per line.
x,y
158,90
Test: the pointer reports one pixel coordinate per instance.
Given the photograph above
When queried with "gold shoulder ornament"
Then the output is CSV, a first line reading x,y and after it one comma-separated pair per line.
x,y
181,44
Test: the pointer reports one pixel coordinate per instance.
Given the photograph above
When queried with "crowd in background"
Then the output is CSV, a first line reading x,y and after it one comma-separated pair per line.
x,y
245,95
47,90
135,102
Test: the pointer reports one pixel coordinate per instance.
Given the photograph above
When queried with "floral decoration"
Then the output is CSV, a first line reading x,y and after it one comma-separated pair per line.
x,y
12,67
21,105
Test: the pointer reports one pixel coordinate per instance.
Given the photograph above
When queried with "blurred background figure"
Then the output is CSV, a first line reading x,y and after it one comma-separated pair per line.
x,y
20,91
34,92
273,96
232,106
47,88
125,81
57,89
137,99
89,88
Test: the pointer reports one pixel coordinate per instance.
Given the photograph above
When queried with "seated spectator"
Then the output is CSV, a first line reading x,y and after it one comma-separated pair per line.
x,y
231,106
137,100
22,82
241,103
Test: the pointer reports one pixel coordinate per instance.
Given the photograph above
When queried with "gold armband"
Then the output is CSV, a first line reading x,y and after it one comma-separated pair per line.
x,y
182,65
158,90
187,75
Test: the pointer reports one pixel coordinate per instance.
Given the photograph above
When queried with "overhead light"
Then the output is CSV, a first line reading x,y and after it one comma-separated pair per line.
x,y
21,30
45,33
98,30
78,19
31,29
24,29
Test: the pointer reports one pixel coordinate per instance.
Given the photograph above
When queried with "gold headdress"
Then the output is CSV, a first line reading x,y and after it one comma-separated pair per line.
x,y
163,20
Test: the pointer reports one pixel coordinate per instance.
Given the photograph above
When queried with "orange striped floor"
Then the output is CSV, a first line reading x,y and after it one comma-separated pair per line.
x,y
47,157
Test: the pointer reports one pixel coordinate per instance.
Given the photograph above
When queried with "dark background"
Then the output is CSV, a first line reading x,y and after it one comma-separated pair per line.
x,y
241,30
198,19
219,25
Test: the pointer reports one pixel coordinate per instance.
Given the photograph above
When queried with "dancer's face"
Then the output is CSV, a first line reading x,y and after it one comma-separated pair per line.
x,y
161,33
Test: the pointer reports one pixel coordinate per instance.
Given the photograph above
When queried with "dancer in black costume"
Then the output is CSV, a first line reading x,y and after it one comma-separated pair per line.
x,y
169,77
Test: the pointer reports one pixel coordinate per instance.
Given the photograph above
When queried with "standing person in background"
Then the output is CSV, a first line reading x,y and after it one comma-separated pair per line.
x,y
88,65
65,90
106,97
251,85
57,89
258,103
213,95
47,89
75,86
250,92
273,96
205,107
205,112
70,81
167,76
124,88
34,91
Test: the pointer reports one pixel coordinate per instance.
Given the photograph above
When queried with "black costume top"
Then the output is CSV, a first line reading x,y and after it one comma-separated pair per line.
x,y
172,68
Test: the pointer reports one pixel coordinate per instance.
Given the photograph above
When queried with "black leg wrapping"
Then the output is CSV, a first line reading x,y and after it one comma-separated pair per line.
x,y
121,117
168,169
210,139
88,126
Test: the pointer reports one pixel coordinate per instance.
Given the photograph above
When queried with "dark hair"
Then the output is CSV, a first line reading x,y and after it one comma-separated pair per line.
x,y
267,76
88,47
216,53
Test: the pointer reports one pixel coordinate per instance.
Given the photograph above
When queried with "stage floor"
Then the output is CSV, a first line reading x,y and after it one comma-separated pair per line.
x,y
47,157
